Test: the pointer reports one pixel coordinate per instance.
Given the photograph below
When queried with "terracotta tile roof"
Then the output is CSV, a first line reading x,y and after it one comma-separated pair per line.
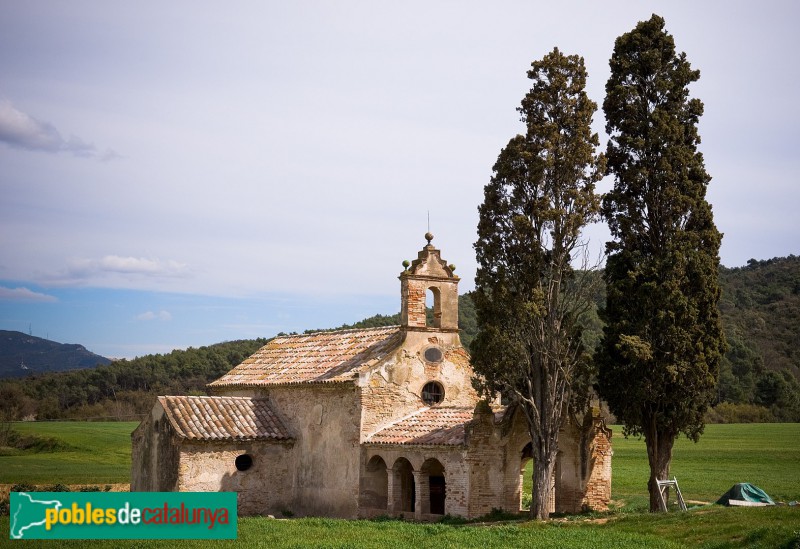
x,y
313,358
434,426
223,418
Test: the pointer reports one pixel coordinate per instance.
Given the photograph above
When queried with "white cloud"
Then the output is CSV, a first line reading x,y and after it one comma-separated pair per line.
x,y
21,130
24,294
150,315
114,271
115,264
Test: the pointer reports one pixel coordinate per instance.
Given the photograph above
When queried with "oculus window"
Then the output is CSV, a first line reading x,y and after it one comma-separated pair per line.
x,y
433,354
432,393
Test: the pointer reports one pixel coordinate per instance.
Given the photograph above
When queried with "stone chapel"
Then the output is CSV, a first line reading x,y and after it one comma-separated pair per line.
x,y
364,423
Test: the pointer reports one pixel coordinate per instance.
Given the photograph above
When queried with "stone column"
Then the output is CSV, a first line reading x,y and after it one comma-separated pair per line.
x,y
393,492
423,499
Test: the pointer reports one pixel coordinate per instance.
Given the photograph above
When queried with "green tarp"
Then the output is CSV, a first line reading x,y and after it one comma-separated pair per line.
x,y
747,494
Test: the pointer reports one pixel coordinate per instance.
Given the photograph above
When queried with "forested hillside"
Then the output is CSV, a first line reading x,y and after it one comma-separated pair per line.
x,y
759,380
760,309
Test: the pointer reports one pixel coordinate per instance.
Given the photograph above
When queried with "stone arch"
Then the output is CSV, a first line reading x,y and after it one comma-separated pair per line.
x,y
403,489
433,487
375,484
435,303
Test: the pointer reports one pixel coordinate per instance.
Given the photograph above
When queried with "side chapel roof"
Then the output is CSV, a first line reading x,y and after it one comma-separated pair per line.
x,y
429,426
322,357
223,418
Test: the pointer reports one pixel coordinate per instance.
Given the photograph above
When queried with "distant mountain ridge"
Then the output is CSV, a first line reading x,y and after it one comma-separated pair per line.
x,y
22,355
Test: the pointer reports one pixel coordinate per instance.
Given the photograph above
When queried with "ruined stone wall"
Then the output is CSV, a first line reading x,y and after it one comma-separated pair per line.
x,y
393,389
263,489
571,470
598,486
583,474
492,466
154,454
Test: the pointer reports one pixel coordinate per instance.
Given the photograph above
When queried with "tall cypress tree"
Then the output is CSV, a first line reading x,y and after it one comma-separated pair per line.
x,y
662,344
528,298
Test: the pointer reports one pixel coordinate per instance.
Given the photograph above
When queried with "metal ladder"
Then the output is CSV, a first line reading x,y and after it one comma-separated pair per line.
x,y
663,486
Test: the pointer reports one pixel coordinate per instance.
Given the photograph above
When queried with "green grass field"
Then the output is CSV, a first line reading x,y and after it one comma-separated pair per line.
x,y
765,454
100,452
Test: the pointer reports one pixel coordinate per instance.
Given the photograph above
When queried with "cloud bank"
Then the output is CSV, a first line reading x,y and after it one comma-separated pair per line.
x,y
22,131
24,294
118,272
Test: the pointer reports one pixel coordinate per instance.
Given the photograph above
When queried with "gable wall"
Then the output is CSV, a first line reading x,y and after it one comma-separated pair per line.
x,y
154,454
392,390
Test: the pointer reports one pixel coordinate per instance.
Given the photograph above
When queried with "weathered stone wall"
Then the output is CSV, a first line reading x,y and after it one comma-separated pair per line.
x,y
324,461
154,454
262,489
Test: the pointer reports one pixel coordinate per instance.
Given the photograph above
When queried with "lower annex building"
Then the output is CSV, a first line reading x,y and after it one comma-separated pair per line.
x,y
362,423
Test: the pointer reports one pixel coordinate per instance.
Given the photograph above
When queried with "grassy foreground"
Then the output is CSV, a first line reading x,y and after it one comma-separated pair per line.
x,y
715,527
763,454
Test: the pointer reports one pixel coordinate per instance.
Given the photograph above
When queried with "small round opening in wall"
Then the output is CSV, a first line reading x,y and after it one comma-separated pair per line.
x,y
432,393
433,354
244,462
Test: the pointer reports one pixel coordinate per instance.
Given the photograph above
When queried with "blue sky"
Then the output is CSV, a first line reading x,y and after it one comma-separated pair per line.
x,y
184,173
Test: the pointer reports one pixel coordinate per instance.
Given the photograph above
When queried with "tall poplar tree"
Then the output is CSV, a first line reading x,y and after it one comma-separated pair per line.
x,y
662,344
528,297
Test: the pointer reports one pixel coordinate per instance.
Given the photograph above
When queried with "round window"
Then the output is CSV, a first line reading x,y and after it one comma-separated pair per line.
x,y
433,354
244,462
432,393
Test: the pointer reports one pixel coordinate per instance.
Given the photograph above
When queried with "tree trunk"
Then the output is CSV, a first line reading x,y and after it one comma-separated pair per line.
x,y
543,465
659,455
